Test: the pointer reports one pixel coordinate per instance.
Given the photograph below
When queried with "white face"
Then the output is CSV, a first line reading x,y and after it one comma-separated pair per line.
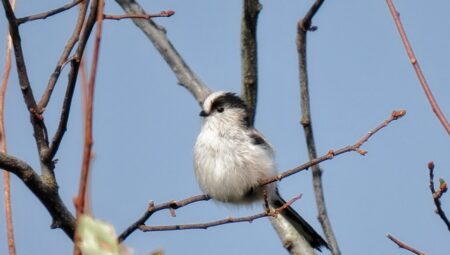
x,y
225,108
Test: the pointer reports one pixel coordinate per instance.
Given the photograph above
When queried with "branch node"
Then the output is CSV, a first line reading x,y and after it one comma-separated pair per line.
x,y
398,114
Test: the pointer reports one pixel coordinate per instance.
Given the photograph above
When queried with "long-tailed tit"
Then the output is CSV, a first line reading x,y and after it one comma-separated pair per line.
x,y
231,158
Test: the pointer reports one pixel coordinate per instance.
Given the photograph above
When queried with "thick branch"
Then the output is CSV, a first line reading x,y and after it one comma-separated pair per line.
x,y
415,63
249,55
437,195
303,27
186,77
48,195
47,14
404,245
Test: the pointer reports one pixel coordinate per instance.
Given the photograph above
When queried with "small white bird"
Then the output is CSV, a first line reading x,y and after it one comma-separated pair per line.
x,y
231,158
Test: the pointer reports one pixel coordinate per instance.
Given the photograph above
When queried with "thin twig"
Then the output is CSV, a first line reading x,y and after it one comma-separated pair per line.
x,y
332,153
63,59
186,77
152,208
227,220
249,55
47,14
3,149
303,26
81,200
415,63
437,195
139,16
404,245
73,75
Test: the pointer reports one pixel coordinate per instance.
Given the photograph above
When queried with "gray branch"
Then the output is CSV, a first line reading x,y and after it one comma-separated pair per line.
x,y
157,35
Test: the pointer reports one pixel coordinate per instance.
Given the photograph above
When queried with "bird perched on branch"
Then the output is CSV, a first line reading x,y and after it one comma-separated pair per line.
x,y
231,158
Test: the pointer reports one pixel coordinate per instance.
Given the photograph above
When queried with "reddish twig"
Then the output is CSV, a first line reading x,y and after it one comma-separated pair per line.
x,y
81,200
404,245
139,16
228,220
438,194
434,105
47,14
3,149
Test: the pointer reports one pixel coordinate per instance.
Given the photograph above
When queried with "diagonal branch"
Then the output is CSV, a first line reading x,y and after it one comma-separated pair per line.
x,y
404,245
63,59
37,121
249,55
186,77
423,82
47,14
303,26
72,80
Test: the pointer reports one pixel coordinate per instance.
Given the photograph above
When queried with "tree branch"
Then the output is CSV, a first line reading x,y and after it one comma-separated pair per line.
x,y
249,55
63,59
48,195
404,245
37,121
186,77
47,14
152,209
72,80
303,26
437,195
415,63
139,16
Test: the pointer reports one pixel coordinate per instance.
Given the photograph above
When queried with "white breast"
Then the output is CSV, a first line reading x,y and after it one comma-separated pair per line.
x,y
228,165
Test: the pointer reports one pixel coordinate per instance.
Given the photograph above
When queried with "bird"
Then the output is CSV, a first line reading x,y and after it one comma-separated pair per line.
x,y
231,158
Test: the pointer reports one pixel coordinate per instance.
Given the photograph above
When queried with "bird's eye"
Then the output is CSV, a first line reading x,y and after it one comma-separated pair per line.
x,y
220,109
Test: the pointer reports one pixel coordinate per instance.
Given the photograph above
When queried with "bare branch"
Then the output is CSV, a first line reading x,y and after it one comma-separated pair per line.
x,y
303,26
228,220
47,14
186,77
415,63
37,121
249,55
404,246
152,209
438,194
139,16
73,75
81,200
63,59
48,195
332,153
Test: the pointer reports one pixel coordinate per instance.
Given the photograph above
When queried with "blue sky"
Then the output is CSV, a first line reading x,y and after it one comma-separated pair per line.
x,y
145,124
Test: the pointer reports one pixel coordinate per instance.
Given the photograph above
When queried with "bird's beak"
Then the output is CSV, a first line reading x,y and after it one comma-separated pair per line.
x,y
203,114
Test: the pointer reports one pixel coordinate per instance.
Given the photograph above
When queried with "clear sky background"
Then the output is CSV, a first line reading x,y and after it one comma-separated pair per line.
x,y
145,124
